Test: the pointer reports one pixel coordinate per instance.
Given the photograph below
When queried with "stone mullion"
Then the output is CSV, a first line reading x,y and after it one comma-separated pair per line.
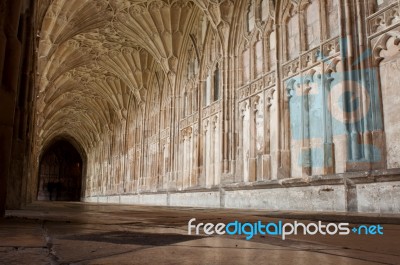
x,y
233,121
133,168
142,129
104,164
189,156
367,137
149,146
349,75
203,178
306,147
186,153
244,130
268,101
136,157
283,127
327,83
323,19
116,158
98,173
252,56
205,165
145,149
194,159
157,131
210,149
181,161
127,139
213,147
110,148
203,125
200,145
356,152
153,152
99,176
93,179
125,154
302,20
239,151
253,140
107,156
159,154
174,134
226,115
258,157
168,163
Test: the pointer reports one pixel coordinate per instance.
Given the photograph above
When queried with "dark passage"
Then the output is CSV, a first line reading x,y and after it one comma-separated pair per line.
x,y
60,173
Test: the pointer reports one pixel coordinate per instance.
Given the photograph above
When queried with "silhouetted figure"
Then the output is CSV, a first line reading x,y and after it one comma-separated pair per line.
x,y
50,188
58,188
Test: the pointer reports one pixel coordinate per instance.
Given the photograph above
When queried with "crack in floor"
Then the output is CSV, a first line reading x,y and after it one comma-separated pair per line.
x,y
54,260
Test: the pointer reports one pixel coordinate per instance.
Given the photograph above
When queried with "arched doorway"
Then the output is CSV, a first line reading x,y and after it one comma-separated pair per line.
x,y
60,173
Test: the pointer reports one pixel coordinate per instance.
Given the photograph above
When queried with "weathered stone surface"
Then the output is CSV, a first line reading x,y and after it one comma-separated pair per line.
x,y
82,233
203,103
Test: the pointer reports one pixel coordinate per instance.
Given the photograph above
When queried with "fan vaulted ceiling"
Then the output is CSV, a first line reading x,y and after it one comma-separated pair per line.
x,y
96,59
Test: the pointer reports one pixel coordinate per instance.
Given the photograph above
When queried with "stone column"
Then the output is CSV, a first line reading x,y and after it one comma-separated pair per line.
x,y
3,148
2,36
306,147
10,52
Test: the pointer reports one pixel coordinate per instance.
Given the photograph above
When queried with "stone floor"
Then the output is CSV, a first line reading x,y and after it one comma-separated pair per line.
x,y
82,233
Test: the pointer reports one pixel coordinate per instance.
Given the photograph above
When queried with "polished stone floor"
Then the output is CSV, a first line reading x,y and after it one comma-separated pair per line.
x,y
82,233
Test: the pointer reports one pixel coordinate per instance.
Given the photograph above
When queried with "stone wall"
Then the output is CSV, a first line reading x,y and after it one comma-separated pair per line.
x,y
16,101
244,104
320,107
368,192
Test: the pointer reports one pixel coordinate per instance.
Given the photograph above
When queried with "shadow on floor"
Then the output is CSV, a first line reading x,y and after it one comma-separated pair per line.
x,y
134,238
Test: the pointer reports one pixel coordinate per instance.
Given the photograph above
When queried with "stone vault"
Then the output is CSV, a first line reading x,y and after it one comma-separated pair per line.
x,y
220,103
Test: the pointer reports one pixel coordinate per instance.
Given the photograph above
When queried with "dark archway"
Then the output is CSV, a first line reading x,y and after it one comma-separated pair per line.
x,y
60,173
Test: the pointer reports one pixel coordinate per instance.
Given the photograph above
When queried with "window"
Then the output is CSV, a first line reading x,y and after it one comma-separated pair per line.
x,y
185,105
250,17
264,10
313,25
211,91
216,83
293,36
333,16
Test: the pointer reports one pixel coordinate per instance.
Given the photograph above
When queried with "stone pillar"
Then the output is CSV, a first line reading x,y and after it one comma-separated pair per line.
x,y
2,36
3,137
19,169
10,52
